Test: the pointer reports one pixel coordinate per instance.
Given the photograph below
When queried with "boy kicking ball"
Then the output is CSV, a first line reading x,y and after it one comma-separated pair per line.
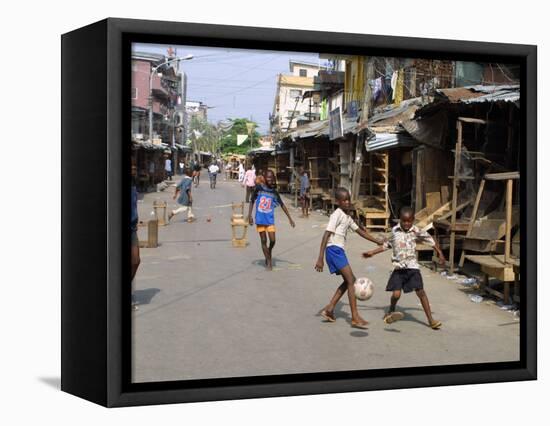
x,y
332,247
406,273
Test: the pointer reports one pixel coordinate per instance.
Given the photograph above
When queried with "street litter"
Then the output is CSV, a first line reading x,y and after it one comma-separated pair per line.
x,y
506,307
476,298
469,281
446,274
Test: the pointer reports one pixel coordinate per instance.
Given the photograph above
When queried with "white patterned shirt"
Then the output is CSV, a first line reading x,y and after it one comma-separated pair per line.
x,y
403,244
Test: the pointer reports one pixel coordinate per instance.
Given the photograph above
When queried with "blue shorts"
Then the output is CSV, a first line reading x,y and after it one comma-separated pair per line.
x,y
336,259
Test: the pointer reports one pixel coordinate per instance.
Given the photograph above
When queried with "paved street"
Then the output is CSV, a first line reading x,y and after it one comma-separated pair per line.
x,y
209,310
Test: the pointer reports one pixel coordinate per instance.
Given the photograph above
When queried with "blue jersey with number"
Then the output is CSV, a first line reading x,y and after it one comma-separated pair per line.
x,y
266,200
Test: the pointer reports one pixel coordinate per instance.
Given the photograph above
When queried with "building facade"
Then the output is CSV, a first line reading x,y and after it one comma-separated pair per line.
x,y
290,106
160,90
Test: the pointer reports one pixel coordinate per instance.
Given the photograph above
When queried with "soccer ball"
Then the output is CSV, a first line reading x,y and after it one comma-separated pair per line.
x,y
364,288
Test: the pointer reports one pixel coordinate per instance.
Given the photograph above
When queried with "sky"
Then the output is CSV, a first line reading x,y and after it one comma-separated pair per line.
x,y
234,83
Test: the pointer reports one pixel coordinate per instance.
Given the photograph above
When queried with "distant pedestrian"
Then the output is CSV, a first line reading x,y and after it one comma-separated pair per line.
x,y
184,197
213,171
196,174
304,192
265,198
241,172
332,248
228,168
168,168
406,273
249,182
181,167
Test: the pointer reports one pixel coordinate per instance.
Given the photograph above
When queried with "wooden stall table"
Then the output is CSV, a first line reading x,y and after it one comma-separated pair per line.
x,y
495,266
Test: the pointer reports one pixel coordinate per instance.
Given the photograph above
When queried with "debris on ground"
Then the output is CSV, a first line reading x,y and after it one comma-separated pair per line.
x,y
476,298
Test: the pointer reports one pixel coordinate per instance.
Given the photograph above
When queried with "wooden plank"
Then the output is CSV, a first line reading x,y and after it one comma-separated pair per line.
x,y
458,153
508,237
471,120
473,218
505,274
459,208
444,194
433,200
419,199
492,260
429,218
152,234
502,176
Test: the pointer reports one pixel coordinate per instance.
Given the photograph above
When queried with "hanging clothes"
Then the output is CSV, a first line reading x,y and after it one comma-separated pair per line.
x,y
393,83
324,109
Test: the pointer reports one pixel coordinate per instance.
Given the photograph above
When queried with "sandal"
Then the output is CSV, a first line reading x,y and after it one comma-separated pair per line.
x,y
327,315
436,325
361,325
392,317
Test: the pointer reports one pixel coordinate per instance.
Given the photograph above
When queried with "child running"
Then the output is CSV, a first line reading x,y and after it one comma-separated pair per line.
x,y
266,198
332,247
184,197
406,273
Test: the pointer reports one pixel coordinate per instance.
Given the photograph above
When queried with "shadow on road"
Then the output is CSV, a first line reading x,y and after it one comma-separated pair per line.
x,y
144,297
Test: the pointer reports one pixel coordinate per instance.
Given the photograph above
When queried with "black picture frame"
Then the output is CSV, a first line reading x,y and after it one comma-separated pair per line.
x,y
95,244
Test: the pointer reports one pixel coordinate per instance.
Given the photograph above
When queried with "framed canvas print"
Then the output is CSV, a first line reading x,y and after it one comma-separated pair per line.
x,y
255,212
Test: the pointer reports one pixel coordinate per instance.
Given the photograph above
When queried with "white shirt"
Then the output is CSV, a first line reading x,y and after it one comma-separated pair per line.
x,y
213,169
338,224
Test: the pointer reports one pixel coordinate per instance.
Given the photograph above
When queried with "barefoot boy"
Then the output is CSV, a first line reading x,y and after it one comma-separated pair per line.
x,y
332,247
406,273
266,198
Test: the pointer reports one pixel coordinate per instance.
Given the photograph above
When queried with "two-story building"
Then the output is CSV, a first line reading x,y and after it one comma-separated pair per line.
x,y
290,107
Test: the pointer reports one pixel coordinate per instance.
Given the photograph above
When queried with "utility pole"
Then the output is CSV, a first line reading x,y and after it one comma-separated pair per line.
x,y
250,127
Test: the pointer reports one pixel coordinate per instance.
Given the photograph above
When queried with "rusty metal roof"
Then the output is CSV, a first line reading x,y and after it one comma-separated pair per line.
x,y
481,93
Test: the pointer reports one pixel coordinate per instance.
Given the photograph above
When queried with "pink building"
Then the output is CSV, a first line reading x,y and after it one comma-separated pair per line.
x,y
165,91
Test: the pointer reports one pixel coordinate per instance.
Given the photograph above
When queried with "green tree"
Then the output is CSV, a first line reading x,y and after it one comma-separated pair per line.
x,y
229,138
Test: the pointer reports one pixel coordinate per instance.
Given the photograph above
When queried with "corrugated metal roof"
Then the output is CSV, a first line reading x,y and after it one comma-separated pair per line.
x,y
321,129
262,150
508,93
481,93
392,115
150,146
382,141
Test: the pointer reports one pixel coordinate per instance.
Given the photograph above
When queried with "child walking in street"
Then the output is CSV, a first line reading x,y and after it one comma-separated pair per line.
x,y
332,248
406,273
183,196
304,191
266,198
